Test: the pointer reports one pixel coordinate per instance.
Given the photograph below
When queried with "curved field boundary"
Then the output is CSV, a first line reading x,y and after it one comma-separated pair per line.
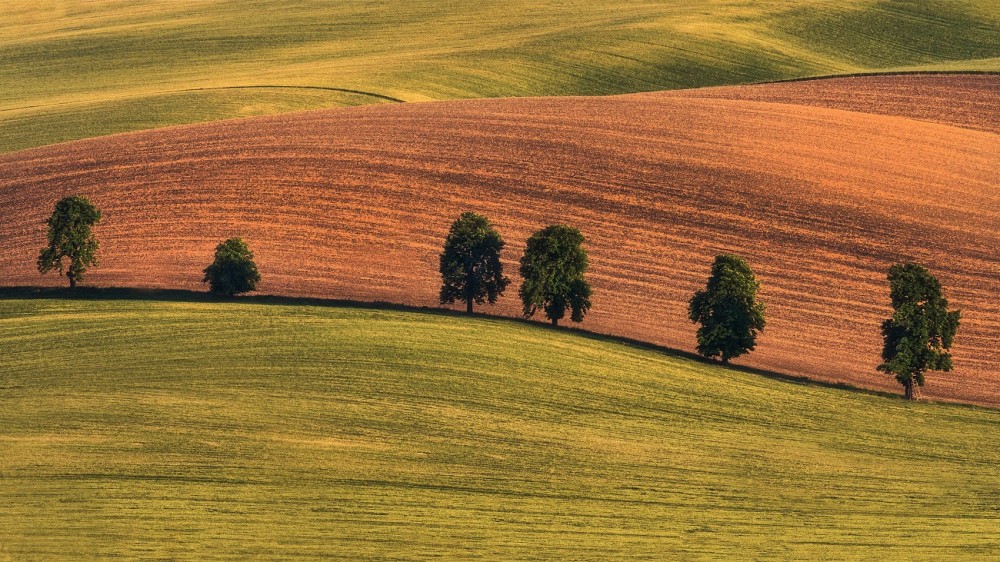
x,y
110,52
970,100
881,73
218,88
81,118
354,204
254,87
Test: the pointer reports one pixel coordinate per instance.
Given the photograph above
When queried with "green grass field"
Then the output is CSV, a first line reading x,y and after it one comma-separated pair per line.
x,y
73,70
150,429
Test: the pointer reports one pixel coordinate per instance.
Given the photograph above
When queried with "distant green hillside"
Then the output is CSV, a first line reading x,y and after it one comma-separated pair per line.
x,y
143,429
73,70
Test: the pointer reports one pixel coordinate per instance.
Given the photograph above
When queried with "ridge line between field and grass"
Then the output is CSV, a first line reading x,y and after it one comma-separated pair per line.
x,y
208,89
682,93
637,92
854,111
677,93
867,74
263,86
190,296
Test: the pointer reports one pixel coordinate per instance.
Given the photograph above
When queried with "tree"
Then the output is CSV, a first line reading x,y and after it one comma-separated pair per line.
x,y
70,237
919,335
233,271
470,263
728,310
552,271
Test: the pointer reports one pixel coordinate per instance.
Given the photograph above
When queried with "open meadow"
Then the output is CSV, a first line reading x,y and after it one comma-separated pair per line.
x,y
204,430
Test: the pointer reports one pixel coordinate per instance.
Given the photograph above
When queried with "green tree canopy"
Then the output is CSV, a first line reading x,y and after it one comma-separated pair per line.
x,y
233,271
552,271
919,335
728,310
470,263
70,237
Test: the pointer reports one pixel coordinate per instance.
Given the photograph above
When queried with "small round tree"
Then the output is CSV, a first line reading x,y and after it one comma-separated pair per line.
x,y
728,310
70,237
470,263
919,335
552,271
233,271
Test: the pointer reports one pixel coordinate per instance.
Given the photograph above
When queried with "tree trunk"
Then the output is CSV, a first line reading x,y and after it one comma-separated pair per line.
x,y
468,306
72,280
908,389
555,321
725,360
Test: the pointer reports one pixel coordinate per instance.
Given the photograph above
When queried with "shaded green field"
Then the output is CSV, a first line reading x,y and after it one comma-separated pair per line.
x,y
204,430
72,70
73,121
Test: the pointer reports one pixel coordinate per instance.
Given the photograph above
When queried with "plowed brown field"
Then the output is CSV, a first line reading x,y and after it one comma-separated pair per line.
x,y
965,100
355,203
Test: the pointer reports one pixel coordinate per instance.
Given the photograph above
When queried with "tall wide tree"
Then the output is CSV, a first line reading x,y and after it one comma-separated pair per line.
x,y
919,335
233,271
728,310
70,237
470,263
552,269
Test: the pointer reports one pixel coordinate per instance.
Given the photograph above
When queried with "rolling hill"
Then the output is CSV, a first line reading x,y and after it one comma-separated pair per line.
x,y
143,429
74,70
355,203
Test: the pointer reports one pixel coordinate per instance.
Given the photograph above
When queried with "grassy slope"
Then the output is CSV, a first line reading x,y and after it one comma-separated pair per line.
x,y
73,71
229,430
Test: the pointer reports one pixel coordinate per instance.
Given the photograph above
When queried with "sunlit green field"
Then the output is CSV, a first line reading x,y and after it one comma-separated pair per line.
x,y
202,430
78,69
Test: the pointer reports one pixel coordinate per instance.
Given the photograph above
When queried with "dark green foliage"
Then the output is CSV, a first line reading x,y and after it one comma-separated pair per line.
x,y
728,310
919,335
70,237
552,270
470,262
233,271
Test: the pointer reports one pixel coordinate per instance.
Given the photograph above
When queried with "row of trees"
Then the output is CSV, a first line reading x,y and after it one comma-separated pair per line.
x,y
917,338
552,280
72,249
552,269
